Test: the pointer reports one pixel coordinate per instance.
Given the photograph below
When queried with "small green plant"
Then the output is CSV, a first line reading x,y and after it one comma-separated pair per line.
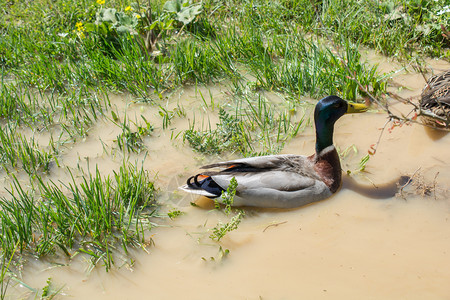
x,y
221,255
48,292
174,213
352,150
363,162
228,135
168,115
17,151
110,27
4,278
220,230
132,140
228,196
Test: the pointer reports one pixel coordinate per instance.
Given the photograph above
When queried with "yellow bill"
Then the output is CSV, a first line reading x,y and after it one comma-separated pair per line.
x,y
356,108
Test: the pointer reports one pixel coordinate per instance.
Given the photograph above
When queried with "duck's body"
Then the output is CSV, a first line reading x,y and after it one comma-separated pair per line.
x,y
435,99
282,181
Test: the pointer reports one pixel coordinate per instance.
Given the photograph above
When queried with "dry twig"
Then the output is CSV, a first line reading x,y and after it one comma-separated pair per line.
x,y
274,225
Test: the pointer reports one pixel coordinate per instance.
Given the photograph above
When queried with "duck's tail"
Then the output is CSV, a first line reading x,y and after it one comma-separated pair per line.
x,y
202,185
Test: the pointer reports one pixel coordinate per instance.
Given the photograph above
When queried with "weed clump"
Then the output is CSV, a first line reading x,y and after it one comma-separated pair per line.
x,y
225,137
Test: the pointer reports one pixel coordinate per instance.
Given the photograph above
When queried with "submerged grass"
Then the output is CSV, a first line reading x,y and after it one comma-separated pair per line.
x,y
19,152
254,126
93,216
6,262
132,141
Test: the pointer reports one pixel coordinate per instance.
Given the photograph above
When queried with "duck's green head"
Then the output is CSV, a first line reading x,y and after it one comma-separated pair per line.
x,y
327,112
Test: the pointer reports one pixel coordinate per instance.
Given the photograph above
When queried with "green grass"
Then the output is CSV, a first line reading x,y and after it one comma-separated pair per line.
x,y
17,151
82,61
17,102
400,28
253,126
132,141
5,279
387,26
93,216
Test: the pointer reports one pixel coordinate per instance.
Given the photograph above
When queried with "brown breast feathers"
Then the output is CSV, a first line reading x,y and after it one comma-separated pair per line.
x,y
328,167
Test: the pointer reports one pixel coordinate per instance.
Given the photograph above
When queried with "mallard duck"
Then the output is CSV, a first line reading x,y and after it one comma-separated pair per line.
x,y
435,99
282,181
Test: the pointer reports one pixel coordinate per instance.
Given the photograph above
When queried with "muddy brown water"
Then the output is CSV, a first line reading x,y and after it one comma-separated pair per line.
x,y
347,247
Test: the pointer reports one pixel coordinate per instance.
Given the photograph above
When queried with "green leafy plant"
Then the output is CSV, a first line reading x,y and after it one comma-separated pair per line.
x,y
174,213
109,19
220,230
48,292
225,137
141,21
184,11
228,196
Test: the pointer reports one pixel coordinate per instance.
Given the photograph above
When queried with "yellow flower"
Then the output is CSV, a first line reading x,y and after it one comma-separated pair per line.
x,y
79,26
138,16
128,8
100,2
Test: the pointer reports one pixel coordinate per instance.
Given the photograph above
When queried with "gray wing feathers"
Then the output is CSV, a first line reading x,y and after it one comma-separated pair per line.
x,y
266,197
263,162
275,189
277,180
